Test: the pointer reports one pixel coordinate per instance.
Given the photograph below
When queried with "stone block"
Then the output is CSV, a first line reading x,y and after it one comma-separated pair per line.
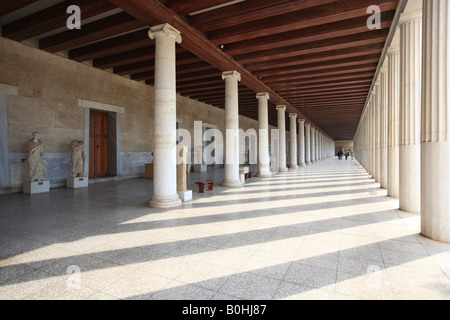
x,y
185,195
35,187
78,182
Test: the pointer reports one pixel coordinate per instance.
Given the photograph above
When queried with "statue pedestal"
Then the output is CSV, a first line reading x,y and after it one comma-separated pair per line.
x,y
185,195
35,187
78,182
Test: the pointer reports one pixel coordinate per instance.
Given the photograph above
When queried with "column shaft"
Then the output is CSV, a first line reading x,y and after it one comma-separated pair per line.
x,y
383,126
263,120
410,105
293,141
308,143
164,140
301,142
282,143
393,130
232,178
435,137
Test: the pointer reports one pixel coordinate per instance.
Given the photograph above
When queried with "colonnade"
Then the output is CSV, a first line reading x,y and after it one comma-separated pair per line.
x,y
403,138
307,144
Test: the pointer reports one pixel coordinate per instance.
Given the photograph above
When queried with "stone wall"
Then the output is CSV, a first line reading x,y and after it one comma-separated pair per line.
x,y
48,92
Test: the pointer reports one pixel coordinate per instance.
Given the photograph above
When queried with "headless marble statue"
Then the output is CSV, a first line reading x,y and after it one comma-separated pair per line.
x,y
36,158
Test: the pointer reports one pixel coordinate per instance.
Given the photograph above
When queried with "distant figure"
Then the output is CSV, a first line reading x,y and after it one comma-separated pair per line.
x,y
340,154
347,154
36,162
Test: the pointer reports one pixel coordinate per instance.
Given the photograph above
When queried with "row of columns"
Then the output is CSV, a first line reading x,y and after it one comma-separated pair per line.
x,y
403,138
307,148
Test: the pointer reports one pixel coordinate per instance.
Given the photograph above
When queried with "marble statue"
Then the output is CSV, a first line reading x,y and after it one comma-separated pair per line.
x,y
35,158
78,158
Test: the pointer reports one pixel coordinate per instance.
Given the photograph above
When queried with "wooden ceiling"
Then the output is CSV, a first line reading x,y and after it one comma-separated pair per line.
x,y
317,57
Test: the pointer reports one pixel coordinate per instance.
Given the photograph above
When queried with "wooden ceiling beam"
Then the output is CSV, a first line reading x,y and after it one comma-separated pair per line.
x,y
184,7
250,11
94,31
10,6
52,18
317,66
374,48
355,40
323,73
307,35
114,46
300,19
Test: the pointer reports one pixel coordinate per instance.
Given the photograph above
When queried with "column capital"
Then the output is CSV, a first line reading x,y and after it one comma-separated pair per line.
x,y
264,95
301,120
406,17
293,115
165,29
232,73
307,124
385,67
395,49
281,107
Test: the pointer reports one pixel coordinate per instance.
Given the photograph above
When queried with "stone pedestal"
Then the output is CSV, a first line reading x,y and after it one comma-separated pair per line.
x,y
77,182
185,195
35,187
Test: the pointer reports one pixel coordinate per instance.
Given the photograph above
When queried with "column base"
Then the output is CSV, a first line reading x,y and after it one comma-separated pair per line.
x,y
302,164
264,174
294,166
308,162
282,169
232,184
175,201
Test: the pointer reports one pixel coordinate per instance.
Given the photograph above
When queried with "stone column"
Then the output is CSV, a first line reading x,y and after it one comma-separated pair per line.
x,y
301,142
282,144
383,125
232,178
393,118
377,131
165,138
263,120
435,137
307,143
372,134
293,141
410,105
313,144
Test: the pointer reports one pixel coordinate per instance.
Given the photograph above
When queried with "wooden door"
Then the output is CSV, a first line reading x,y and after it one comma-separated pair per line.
x,y
98,145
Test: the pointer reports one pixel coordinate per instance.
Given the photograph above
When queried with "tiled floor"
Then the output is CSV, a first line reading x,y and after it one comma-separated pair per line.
x,y
324,231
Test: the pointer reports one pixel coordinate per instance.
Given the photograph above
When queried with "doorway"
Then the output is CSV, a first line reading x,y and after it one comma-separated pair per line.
x,y
98,145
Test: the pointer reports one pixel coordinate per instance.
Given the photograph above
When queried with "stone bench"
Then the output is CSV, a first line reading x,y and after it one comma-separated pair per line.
x,y
202,184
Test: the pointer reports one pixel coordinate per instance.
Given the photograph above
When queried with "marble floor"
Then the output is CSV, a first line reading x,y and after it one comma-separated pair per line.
x,y
324,231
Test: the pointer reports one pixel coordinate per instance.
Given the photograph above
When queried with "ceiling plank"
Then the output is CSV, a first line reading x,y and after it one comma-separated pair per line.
x,y
314,16
94,31
7,7
116,45
52,18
